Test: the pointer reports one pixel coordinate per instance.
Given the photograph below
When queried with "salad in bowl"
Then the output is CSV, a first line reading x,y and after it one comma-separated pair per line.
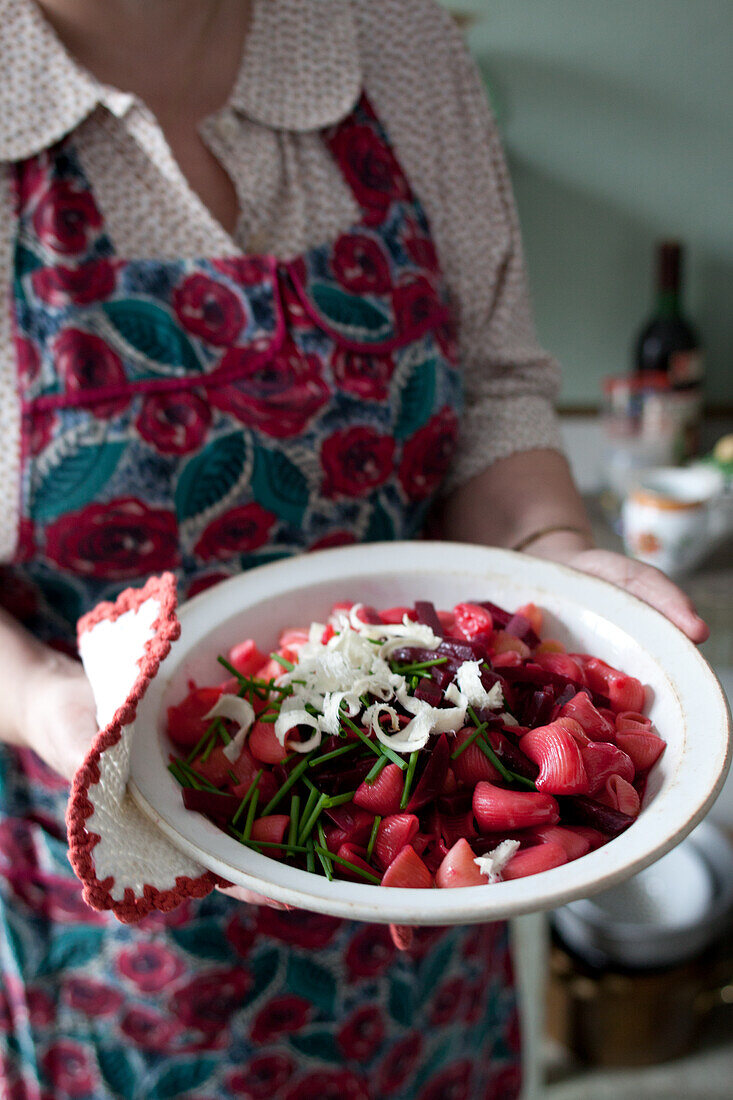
x,y
336,730
416,747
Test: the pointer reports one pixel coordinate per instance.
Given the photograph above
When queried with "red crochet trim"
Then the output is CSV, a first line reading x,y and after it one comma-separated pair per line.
x,y
81,841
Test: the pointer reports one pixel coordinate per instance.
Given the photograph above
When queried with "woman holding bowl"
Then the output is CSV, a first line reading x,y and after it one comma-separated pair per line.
x,y
264,293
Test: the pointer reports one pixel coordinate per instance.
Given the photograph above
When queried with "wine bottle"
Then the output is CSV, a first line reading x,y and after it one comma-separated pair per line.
x,y
668,342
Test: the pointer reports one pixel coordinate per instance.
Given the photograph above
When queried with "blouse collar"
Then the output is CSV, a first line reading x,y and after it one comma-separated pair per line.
x,y
300,71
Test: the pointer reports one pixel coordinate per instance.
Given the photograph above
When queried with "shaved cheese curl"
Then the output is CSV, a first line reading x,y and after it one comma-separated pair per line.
x,y
495,861
471,687
236,710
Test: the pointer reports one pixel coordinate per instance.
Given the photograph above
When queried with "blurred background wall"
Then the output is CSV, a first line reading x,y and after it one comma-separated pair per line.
x,y
617,118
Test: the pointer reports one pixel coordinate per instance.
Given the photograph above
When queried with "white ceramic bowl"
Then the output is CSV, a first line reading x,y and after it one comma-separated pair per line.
x,y
687,707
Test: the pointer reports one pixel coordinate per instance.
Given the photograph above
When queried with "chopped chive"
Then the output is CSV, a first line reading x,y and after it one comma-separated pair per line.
x,y
234,778
288,848
313,797
183,777
325,860
292,778
372,775
204,783
372,745
200,745
469,741
207,751
489,753
352,866
179,776
523,781
294,817
376,746
248,795
333,754
240,808
271,716
310,820
408,779
232,670
251,811
310,858
373,836
258,686
483,743
339,799
393,756
418,666
507,775
286,664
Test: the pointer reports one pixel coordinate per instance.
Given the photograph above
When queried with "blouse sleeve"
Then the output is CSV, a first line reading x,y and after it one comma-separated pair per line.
x,y
428,91
9,404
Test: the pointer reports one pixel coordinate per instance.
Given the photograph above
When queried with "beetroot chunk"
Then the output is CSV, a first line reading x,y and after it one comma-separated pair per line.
x,y
214,803
586,811
431,781
426,614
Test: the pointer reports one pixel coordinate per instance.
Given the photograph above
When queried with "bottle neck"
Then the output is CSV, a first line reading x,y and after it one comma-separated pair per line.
x,y
668,303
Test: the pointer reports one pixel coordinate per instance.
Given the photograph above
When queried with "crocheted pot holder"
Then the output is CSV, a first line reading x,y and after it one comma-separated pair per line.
x,y
125,863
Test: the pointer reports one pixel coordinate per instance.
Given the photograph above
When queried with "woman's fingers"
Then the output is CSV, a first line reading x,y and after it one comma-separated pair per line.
x,y
402,936
251,898
649,584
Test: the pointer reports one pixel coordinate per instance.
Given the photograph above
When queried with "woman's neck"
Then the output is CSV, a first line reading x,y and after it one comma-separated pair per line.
x,y
175,55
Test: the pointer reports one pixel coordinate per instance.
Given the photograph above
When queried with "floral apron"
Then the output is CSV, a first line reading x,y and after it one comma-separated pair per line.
x,y
206,416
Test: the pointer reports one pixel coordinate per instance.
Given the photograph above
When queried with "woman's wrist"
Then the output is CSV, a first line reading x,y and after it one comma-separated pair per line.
x,y
558,543
27,666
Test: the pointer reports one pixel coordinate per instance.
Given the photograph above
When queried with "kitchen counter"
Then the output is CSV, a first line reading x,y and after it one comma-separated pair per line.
x,y
550,1072
707,1073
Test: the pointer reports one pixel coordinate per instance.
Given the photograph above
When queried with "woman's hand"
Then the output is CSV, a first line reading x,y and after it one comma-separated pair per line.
x,y
533,491
240,894
59,714
646,582
47,701
643,581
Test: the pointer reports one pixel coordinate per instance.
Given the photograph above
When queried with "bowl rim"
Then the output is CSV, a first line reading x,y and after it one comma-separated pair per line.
x,y
599,870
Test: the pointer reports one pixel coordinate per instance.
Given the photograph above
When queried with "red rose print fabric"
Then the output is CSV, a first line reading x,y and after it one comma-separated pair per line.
x,y
203,417
207,416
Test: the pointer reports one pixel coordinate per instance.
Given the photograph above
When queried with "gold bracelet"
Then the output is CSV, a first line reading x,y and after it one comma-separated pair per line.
x,y
529,539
